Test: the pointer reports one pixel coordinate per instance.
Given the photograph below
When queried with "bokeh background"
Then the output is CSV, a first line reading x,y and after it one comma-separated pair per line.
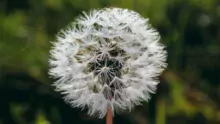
x,y
189,92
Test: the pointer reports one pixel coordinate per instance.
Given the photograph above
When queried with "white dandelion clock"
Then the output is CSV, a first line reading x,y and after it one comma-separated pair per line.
x,y
108,58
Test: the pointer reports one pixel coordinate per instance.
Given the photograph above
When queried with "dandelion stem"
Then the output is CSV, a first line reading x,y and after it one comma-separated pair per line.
x,y
109,117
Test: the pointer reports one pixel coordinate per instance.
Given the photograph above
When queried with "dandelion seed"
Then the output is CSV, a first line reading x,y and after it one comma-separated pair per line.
x,y
108,59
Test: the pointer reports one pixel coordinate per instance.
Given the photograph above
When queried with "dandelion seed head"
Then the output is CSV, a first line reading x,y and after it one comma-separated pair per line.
x,y
108,57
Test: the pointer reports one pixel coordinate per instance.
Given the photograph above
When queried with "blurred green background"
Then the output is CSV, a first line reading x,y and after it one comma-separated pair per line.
x,y
189,92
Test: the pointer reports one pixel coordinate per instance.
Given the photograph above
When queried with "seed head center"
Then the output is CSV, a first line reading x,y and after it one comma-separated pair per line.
x,y
105,68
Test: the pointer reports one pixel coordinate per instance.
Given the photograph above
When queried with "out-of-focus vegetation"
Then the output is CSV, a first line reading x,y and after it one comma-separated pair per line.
x,y
189,92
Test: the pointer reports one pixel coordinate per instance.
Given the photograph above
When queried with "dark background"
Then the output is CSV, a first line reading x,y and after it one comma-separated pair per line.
x,y
189,92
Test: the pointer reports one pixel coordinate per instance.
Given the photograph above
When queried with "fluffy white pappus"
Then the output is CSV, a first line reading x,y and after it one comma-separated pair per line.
x,y
107,58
